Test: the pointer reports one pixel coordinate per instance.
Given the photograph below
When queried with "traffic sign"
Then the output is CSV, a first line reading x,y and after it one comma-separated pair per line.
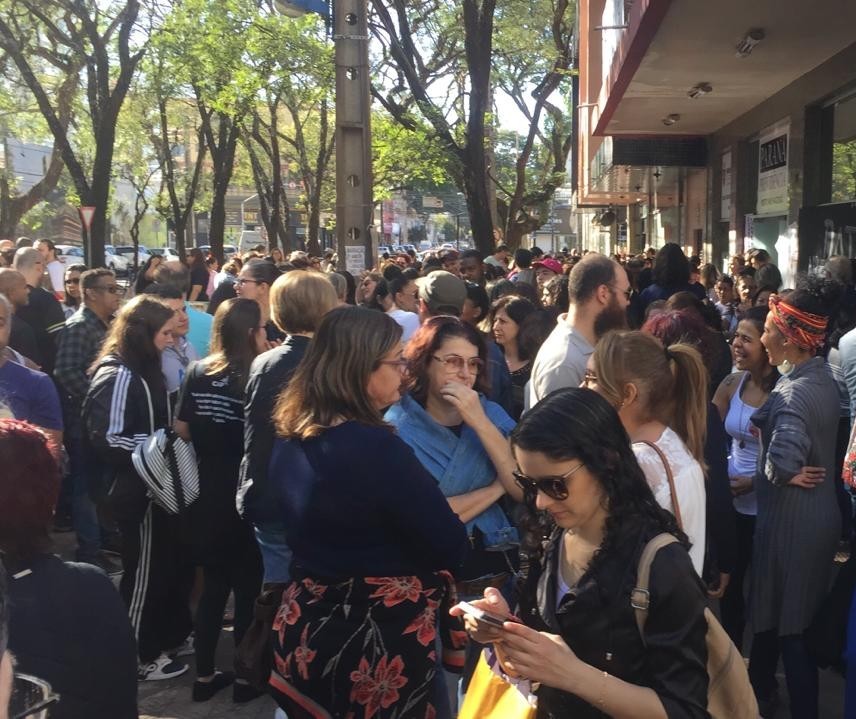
x,y
86,215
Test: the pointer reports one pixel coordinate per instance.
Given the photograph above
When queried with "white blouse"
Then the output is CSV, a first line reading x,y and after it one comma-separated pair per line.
x,y
689,485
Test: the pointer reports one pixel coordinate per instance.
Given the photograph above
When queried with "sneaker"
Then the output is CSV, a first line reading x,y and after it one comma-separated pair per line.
x,y
185,649
161,668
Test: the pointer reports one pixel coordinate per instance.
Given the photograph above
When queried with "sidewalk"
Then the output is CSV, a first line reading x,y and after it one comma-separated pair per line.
x,y
170,699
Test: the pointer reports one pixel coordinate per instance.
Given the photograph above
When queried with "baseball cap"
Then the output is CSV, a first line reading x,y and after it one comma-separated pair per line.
x,y
442,290
550,264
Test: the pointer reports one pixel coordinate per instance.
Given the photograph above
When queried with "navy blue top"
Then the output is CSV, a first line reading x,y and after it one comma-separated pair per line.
x,y
356,502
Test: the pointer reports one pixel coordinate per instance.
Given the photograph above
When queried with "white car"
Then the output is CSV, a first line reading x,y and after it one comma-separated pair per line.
x,y
70,255
127,251
120,265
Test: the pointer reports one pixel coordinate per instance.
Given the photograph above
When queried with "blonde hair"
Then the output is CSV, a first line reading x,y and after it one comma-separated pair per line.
x,y
671,382
298,301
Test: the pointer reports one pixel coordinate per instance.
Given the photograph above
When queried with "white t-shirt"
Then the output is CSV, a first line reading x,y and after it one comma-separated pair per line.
x,y
409,322
689,485
56,272
561,362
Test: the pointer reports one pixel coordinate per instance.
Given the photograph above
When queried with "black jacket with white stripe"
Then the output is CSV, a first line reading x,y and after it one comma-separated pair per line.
x,y
116,418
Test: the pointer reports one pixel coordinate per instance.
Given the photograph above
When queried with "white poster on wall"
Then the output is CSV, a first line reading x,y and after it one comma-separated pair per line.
x,y
355,259
773,169
725,204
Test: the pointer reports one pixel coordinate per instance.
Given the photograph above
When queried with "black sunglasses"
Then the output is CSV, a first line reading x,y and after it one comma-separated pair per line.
x,y
554,487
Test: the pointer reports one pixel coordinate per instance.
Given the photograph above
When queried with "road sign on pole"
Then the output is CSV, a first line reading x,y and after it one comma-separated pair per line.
x,y
86,215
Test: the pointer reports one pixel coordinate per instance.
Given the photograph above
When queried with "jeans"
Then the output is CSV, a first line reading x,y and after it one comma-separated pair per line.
x,y
84,516
276,554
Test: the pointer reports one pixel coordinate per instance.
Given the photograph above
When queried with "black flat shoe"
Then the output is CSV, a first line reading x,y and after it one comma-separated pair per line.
x,y
243,693
203,691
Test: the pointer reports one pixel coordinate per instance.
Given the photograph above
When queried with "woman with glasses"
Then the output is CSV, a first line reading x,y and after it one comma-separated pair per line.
x,y
579,636
72,299
254,283
660,394
210,414
461,439
373,537
68,626
366,288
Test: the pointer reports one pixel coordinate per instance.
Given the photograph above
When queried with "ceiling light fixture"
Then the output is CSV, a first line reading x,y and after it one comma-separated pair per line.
x,y
748,43
703,88
670,120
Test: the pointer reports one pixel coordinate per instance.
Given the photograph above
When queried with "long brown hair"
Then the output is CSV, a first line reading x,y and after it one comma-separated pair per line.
x,y
132,334
331,381
233,343
672,382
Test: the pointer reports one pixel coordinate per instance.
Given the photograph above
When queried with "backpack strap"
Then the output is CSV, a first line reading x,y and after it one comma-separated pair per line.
x,y
640,597
671,478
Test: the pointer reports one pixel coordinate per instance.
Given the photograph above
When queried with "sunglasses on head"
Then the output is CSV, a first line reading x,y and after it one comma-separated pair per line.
x,y
555,487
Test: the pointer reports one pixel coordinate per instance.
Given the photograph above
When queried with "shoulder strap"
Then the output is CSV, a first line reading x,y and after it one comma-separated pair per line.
x,y
670,477
149,402
640,597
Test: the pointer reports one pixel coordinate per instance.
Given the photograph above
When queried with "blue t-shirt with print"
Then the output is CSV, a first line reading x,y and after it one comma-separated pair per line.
x,y
31,395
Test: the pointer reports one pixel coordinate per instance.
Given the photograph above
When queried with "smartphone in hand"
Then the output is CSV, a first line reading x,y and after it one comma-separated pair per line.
x,y
482,615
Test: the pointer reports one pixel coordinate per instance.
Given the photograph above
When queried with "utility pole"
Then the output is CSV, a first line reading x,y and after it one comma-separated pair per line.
x,y
354,182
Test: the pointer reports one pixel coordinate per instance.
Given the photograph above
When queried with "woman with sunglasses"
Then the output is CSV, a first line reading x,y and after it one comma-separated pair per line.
x,y
71,301
579,637
373,539
461,439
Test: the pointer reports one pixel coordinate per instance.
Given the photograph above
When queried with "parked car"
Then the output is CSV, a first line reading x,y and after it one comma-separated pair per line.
x,y
120,265
127,251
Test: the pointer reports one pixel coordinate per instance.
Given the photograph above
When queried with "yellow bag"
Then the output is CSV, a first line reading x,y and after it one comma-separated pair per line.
x,y
489,696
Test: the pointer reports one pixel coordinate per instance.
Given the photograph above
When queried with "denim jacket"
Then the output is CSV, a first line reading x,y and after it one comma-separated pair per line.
x,y
459,464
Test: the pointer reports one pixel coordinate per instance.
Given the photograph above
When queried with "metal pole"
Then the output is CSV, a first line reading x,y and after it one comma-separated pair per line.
x,y
355,244
458,230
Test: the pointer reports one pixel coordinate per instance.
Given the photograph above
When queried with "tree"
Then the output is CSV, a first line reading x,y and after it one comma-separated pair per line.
x,y
294,62
68,35
14,204
443,62
169,121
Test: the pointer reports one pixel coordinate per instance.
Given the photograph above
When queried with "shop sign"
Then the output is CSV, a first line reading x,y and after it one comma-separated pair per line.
x,y
725,204
773,170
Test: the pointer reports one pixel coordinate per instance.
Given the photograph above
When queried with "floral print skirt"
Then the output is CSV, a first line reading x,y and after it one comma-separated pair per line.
x,y
364,647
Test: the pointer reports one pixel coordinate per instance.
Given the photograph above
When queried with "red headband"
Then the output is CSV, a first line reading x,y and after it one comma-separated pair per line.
x,y
804,329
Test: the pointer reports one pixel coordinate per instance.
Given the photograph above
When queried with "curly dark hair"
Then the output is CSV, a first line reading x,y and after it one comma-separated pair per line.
x,y
577,423
427,341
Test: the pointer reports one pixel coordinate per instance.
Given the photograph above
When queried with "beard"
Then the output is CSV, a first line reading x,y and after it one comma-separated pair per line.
x,y
612,317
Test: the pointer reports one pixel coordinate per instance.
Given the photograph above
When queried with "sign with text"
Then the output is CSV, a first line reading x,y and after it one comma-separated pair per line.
x,y
773,170
355,259
433,202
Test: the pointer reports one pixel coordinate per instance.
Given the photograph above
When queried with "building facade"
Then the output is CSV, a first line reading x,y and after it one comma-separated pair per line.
x,y
718,126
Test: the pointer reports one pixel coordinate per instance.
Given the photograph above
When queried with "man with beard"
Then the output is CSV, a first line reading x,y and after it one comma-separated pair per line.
x,y
599,293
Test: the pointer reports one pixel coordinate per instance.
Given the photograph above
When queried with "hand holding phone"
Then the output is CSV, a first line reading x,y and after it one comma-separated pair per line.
x,y
484,616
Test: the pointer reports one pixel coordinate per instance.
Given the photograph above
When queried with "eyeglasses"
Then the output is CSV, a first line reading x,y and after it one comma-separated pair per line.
x,y
31,697
589,379
241,281
112,289
401,363
73,281
457,363
627,293
554,487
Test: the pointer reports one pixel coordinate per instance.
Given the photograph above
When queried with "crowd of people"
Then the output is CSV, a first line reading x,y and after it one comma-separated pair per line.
x,y
511,430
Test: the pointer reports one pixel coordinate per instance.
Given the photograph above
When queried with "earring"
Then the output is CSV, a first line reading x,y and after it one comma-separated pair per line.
x,y
785,368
